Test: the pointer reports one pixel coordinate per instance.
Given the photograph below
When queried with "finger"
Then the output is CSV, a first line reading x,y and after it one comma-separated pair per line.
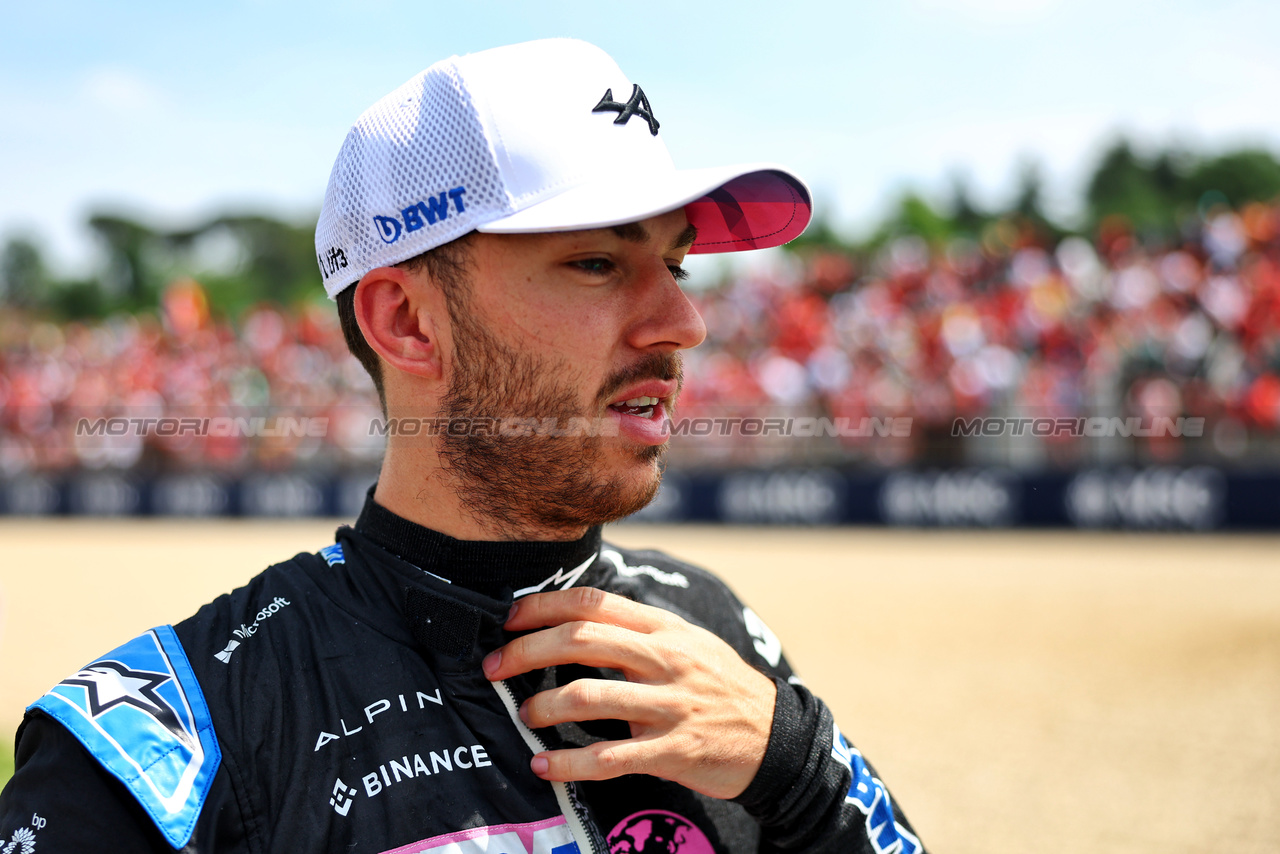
x,y
603,760
583,603
591,644
594,700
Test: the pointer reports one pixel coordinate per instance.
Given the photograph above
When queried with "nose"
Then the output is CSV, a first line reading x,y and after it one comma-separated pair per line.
x,y
668,320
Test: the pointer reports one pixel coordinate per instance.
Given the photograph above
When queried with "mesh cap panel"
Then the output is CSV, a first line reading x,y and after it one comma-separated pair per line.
x,y
414,172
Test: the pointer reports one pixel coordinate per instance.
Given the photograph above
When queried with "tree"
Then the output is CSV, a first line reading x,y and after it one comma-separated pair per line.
x,y
130,246
23,280
915,216
1028,203
1155,194
279,261
1123,184
966,216
1249,175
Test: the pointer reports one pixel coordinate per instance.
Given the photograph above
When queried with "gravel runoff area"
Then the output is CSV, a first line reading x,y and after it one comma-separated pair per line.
x,y
1027,691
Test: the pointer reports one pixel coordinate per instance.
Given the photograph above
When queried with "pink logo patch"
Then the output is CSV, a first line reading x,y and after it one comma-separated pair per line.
x,y
658,832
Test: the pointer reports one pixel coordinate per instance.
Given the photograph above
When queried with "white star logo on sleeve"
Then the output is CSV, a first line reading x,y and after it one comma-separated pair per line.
x,y
109,684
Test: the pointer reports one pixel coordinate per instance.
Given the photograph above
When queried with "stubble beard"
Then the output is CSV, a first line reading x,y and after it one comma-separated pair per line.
x,y
535,484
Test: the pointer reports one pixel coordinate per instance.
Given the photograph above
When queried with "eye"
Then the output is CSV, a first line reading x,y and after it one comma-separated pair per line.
x,y
677,272
595,266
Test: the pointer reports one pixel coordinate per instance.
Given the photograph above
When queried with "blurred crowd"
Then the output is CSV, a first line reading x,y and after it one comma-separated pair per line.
x,y
1007,326
277,391
1004,325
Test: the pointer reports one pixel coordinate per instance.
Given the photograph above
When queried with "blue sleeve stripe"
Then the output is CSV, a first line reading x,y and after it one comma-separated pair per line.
x,y
140,712
871,798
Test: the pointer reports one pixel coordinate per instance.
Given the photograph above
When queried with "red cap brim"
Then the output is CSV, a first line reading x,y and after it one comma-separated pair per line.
x,y
753,211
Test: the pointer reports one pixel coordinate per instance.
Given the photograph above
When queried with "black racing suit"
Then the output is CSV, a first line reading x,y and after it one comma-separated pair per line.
x,y
336,703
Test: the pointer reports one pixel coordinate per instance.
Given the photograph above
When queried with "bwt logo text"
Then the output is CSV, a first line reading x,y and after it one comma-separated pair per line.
x,y
434,209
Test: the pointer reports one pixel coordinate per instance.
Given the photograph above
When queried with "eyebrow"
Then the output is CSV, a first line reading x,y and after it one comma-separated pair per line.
x,y
686,237
634,232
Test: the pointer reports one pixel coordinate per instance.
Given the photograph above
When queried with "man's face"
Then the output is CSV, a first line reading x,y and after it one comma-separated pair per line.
x,y
566,326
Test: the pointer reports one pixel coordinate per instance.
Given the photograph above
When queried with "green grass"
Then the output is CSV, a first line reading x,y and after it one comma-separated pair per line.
x,y
6,761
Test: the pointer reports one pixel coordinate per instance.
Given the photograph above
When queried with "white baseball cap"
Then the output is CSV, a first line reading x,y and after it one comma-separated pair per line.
x,y
543,136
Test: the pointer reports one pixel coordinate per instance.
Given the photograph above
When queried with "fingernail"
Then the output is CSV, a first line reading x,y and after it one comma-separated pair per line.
x,y
491,661
511,615
524,711
539,766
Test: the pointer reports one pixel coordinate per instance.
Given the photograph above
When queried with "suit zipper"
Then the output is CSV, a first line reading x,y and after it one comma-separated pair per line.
x,y
573,812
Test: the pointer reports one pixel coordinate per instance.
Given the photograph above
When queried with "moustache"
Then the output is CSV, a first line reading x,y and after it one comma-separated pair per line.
x,y
655,366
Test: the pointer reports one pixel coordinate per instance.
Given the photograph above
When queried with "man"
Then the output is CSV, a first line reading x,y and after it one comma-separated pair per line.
x,y
470,668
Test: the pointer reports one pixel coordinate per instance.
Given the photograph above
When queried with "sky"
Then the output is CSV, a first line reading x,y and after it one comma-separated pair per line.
x,y
175,112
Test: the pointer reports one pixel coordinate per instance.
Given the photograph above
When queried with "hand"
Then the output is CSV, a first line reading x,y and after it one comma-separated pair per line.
x,y
700,716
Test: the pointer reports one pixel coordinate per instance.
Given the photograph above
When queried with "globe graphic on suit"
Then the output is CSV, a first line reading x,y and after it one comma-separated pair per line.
x,y
657,832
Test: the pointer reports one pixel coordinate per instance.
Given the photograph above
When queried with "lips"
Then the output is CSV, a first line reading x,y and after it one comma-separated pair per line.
x,y
645,399
641,410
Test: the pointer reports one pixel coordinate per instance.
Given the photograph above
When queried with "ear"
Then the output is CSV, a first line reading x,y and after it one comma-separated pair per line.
x,y
392,310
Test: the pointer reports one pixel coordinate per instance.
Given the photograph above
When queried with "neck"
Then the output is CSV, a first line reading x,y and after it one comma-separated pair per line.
x,y
415,486
485,566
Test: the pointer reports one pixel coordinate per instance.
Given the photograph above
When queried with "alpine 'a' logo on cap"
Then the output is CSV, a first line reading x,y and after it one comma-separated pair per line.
x,y
636,105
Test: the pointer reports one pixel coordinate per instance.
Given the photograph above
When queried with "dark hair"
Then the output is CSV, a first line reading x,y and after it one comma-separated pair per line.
x,y
446,265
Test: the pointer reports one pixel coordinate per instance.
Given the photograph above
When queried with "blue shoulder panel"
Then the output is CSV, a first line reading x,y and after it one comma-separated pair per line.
x,y
140,711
